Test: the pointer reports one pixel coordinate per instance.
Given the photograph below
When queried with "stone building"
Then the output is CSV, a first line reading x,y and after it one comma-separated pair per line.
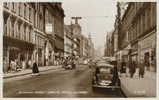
x,y
68,41
25,35
137,34
76,29
59,30
109,46
54,28
18,41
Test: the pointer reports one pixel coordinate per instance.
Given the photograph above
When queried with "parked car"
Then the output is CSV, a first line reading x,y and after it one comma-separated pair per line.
x,y
103,77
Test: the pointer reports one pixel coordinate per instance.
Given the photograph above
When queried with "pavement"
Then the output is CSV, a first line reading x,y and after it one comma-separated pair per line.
x,y
29,71
55,83
139,87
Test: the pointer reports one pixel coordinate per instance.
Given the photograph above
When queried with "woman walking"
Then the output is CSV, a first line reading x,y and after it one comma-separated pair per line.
x,y
35,69
141,69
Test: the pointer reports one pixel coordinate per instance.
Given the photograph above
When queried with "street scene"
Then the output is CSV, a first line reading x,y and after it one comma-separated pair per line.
x,y
56,83
79,49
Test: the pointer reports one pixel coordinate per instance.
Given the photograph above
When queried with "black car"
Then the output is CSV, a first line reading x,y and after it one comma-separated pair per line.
x,y
103,77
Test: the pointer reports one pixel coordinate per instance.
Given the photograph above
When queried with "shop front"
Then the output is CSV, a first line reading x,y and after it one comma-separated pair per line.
x,y
147,51
18,51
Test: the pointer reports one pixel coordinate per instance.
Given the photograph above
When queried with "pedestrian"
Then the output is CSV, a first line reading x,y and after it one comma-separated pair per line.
x,y
124,67
132,69
15,65
97,73
74,63
23,65
35,69
65,62
29,63
12,65
141,69
115,75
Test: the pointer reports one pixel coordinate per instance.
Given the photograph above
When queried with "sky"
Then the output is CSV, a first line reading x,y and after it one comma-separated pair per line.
x,y
97,17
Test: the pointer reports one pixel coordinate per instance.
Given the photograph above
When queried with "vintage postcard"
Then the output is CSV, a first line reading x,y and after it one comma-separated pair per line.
x,y
79,49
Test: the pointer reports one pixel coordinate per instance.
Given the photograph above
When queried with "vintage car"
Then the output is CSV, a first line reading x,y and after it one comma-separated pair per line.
x,y
104,78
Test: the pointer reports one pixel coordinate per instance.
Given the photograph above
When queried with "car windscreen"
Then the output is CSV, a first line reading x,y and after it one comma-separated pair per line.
x,y
106,70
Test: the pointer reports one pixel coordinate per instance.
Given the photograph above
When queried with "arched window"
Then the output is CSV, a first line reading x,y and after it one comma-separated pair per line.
x,y
21,32
8,26
12,28
24,34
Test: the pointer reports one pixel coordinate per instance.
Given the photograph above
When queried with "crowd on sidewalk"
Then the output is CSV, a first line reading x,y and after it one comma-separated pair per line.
x,y
131,68
16,66
137,79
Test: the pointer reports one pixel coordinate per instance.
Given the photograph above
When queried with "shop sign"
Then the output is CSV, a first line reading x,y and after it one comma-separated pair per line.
x,y
148,42
48,28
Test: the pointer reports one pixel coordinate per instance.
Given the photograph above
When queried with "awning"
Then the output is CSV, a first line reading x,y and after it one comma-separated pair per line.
x,y
18,43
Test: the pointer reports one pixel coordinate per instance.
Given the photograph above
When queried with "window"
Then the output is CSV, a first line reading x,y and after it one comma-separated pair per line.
x,y
30,11
12,28
35,19
154,13
22,9
141,29
19,8
146,19
24,34
29,35
5,25
13,7
19,30
5,4
16,29
25,11
143,18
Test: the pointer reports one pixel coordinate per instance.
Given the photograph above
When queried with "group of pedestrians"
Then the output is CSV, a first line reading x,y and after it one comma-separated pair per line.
x,y
16,66
59,61
132,67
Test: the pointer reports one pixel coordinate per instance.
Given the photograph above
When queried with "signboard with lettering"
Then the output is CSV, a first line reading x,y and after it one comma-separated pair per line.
x,y
48,28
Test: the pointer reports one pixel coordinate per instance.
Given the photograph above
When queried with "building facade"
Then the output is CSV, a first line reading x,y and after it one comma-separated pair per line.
x,y
137,34
109,46
25,36
76,29
18,41
134,35
68,41
59,30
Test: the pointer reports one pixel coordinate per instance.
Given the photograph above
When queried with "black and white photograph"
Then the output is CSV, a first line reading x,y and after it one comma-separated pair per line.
x,y
79,49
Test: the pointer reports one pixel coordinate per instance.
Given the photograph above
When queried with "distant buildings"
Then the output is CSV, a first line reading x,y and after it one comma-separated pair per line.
x,y
76,44
68,41
32,31
134,35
